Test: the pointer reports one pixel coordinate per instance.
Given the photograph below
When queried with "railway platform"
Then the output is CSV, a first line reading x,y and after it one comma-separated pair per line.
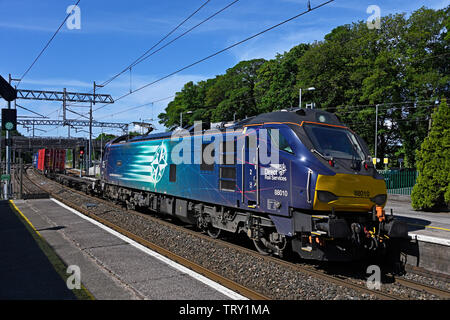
x,y
429,247
27,269
431,226
111,265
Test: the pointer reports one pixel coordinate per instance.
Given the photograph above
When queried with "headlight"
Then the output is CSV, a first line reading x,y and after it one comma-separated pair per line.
x,y
379,199
326,196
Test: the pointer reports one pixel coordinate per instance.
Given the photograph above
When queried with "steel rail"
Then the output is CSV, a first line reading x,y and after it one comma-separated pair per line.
x,y
295,266
247,292
423,287
29,191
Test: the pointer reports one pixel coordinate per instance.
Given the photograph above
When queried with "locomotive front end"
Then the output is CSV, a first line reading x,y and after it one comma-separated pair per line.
x,y
344,217
348,192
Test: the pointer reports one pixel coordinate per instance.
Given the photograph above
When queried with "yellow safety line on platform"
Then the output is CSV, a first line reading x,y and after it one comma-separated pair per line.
x,y
86,291
421,225
23,216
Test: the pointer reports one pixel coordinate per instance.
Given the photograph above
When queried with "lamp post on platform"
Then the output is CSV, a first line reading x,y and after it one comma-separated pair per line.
x,y
181,117
300,95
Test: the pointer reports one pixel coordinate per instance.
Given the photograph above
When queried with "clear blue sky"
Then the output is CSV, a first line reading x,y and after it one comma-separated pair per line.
x,y
115,33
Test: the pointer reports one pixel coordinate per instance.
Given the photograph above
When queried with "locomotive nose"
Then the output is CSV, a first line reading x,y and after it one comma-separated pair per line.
x,y
348,192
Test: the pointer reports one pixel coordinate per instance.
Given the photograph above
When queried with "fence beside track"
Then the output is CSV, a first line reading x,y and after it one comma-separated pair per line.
x,y
399,182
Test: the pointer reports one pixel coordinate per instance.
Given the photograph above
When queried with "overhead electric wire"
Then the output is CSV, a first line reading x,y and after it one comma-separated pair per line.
x,y
221,51
186,32
432,57
137,107
45,47
394,122
77,113
53,112
42,116
259,97
379,104
135,62
144,57
379,110
112,115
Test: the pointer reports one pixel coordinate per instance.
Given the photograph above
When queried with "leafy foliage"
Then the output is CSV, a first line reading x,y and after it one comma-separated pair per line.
x,y
432,189
402,67
105,137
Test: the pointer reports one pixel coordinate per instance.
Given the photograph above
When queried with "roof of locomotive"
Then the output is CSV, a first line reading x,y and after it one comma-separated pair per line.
x,y
295,116
288,116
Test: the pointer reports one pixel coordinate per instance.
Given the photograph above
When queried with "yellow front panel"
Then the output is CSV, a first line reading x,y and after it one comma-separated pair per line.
x,y
354,192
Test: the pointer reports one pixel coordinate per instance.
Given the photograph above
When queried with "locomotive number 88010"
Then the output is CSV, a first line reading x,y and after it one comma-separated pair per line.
x,y
291,180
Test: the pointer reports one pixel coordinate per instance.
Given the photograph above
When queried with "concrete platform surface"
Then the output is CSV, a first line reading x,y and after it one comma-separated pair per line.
x,y
430,234
25,270
111,267
425,226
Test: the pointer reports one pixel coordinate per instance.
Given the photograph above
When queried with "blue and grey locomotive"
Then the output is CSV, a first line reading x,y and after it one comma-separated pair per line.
x,y
321,197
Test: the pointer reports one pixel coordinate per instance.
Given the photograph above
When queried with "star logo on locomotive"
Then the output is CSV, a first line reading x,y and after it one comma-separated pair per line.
x,y
158,164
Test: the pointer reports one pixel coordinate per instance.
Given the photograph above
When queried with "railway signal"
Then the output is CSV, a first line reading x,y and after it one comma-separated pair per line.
x,y
9,122
81,158
9,119
7,92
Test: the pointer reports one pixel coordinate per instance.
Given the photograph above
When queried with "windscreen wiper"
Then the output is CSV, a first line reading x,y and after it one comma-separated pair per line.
x,y
327,158
356,165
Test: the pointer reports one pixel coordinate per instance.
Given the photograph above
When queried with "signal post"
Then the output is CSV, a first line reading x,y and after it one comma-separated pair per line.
x,y
9,123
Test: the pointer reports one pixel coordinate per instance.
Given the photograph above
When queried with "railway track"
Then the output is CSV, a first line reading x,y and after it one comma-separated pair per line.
x,y
249,293
423,287
29,189
252,294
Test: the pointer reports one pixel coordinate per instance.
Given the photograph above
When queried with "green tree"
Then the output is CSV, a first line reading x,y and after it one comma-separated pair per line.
x,y
401,67
218,99
353,69
276,84
426,73
234,92
12,133
105,137
133,134
185,100
432,189
192,99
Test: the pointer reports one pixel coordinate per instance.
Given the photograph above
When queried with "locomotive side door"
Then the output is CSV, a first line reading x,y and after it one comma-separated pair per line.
x,y
103,169
275,170
250,180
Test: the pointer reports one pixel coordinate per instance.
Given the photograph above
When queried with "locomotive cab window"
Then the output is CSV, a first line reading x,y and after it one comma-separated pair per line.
x,y
334,142
280,141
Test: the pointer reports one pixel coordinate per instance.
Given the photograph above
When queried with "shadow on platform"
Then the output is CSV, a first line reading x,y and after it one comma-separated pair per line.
x,y
414,224
25,271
